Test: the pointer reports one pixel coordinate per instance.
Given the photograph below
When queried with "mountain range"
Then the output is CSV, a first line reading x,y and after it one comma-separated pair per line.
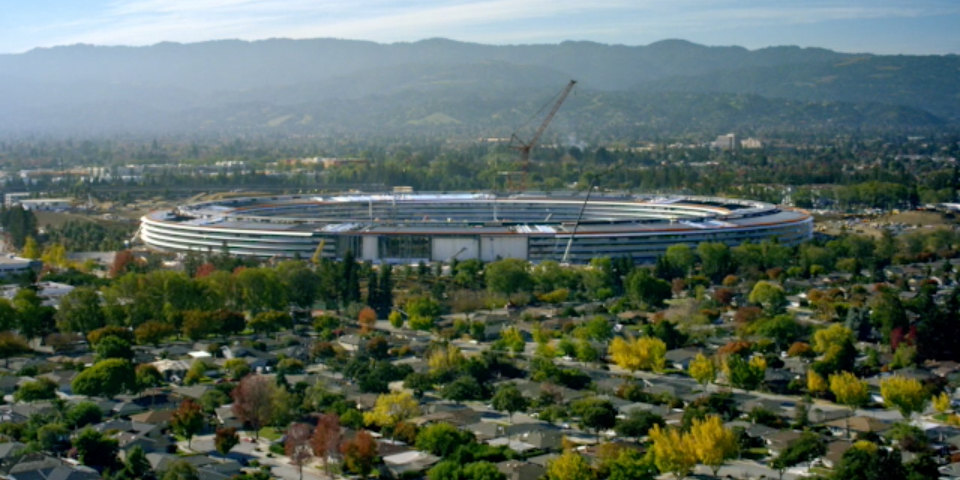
x,y
326,86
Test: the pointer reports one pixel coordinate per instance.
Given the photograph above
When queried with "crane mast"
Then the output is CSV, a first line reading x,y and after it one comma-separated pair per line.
x,y
525,147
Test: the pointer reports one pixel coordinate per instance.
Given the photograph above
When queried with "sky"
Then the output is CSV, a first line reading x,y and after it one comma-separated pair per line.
x,y
863,26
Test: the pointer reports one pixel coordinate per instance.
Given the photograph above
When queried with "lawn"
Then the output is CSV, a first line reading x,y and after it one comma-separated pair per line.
x,y
271,433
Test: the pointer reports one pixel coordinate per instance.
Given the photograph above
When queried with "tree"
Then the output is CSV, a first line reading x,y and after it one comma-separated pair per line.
x,y
509,399
570,466
638,353
850,391
98,335
391,409
297,445
782,329
12,345
188,420
113,347
136,466
236,368
30,249
482,470
326,439
703,370
40,389
463,388
942,403
225,439
716,260
673,452
83,414
270,322
745,374
816,384
595,414
631,465
638,423
712,442
680,257
906,394
442,439
254,401
419,382
95,449
359,453
508,276
808,447
395,319
80,311
180,470
769,296
54,438
36,320
646,290
106,378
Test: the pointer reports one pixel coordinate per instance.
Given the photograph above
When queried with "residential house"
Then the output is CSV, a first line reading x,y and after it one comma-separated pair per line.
x,y
521,470
403,464
857,425
680,358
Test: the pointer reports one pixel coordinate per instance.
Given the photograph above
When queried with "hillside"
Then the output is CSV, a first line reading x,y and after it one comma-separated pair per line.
x,y
442,86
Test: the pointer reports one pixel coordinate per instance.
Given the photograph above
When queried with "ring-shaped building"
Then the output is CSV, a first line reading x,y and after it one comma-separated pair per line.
x,y
407,228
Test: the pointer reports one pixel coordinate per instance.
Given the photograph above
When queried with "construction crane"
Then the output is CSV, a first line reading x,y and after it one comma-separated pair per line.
x,y
318,253
524,148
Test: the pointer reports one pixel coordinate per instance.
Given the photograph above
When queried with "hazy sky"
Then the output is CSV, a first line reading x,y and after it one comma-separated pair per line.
x,y
878,26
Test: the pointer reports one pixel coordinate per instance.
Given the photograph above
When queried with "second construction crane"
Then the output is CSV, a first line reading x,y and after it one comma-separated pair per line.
x,y
524,148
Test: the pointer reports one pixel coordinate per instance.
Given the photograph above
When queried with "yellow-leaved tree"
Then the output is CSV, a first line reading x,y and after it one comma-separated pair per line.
x,y
703,370
816,384
570,466
673,452
391,409
712,442
640,353
850,391
31,249
942,402
444,359
906,394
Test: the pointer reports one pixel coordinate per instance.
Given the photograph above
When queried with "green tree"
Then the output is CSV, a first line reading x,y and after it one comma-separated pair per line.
x,y
463,388
83,414
95,449
113,347
54,438
40,389
270,322
80,311
808,447
106,378
509,399
647,290
508,276
632,465
442,439
769,296
180,470
12,345
595,414
716,261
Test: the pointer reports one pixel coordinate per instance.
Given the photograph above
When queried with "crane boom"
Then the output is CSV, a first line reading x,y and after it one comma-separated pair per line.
x,y
525,147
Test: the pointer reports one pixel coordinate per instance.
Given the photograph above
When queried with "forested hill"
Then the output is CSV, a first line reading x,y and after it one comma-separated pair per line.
x,y
448,87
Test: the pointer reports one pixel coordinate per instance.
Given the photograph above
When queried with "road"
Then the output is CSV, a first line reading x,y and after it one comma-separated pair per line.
x,y
279,466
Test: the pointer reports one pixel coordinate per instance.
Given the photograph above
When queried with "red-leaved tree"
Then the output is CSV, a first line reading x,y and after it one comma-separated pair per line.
x,y
253,401
298,446
326,439
359,453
